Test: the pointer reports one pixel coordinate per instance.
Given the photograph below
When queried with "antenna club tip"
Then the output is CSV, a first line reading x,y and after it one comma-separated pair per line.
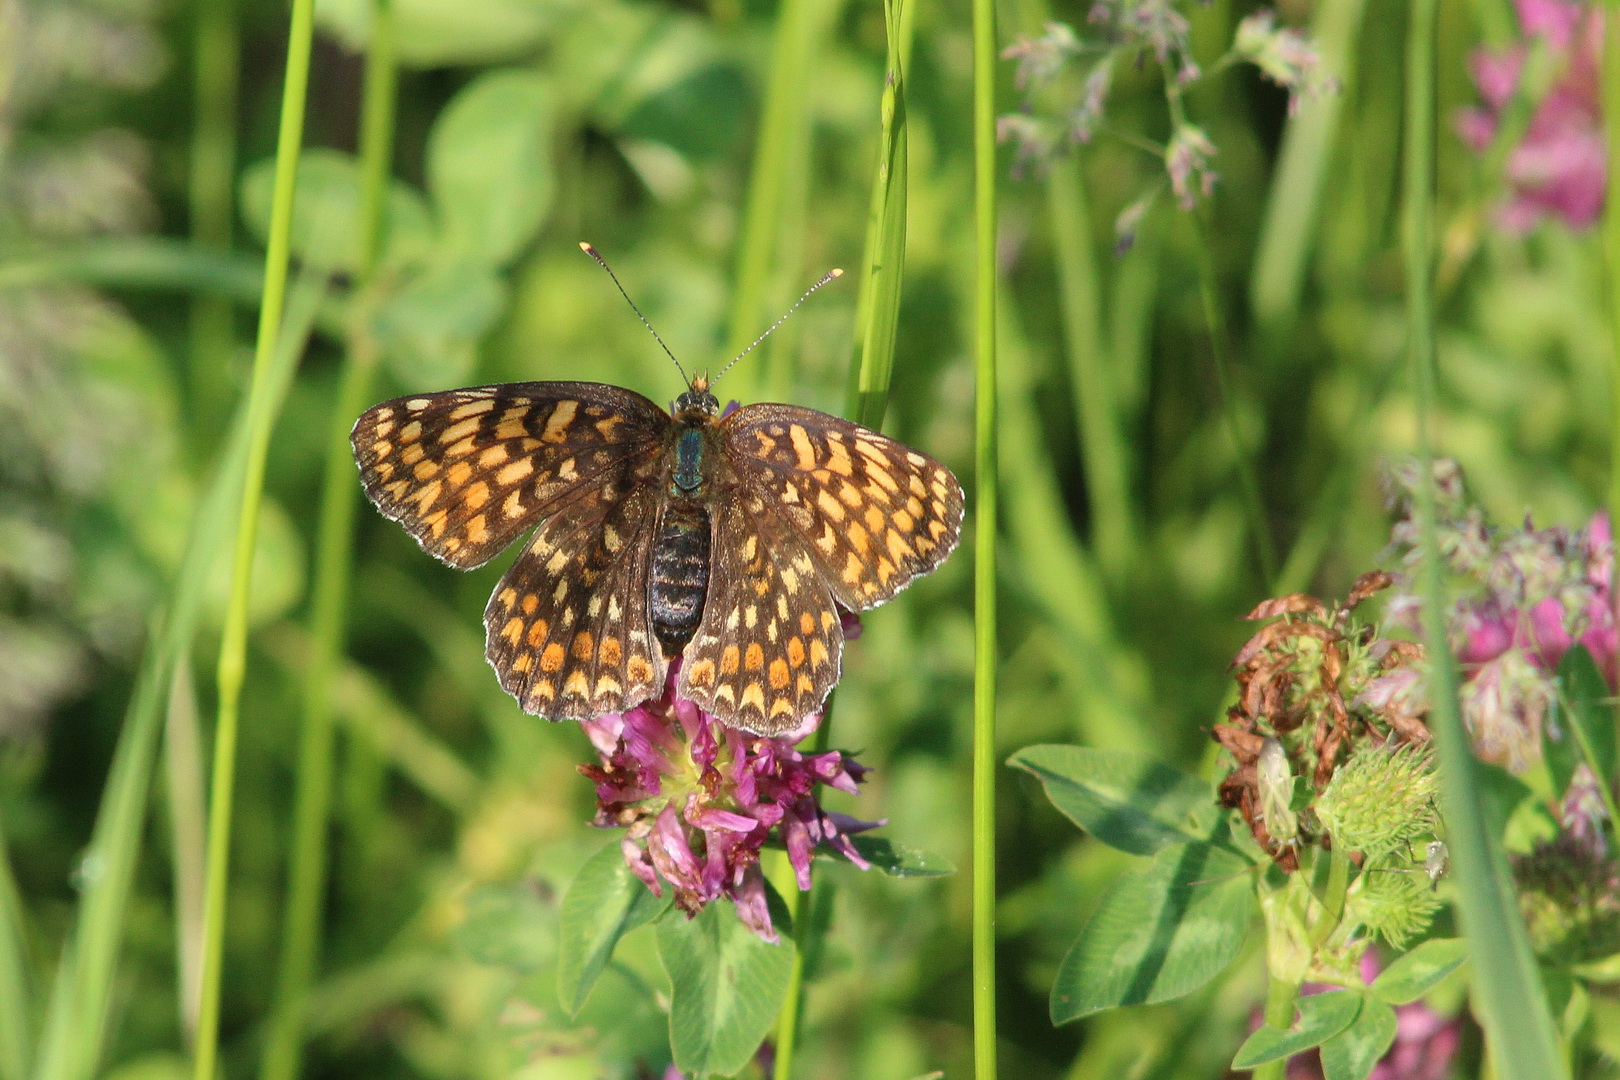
x,y
586,248
835,272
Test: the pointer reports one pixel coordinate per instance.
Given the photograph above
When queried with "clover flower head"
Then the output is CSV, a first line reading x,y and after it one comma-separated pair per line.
x,y
1558,167
699,800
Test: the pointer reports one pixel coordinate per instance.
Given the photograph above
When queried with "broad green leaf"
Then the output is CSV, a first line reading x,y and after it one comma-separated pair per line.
x,y
489,166
605,902
1586,714
326,210
1321,1016
1128,801
899,861
1351,1054
1420,970
510,926
726,988
1159,933
435,33
430,328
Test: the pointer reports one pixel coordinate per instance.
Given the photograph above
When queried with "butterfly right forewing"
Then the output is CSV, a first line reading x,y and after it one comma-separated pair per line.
x,y
466,471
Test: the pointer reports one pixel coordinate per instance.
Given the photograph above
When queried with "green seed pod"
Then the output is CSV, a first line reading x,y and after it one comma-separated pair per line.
x,y
1380,802
1392,904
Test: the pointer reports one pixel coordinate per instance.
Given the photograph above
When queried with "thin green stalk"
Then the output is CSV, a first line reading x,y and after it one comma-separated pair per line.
x,y
16,991
984,544
1209,287
306,890
1507,992
1297,184
188,828
213,168
784,116
1611,251
1281,994
233,640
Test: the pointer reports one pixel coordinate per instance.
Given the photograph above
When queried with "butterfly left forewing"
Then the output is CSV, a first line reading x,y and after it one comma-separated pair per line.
x,y
874,514
466,471
769,646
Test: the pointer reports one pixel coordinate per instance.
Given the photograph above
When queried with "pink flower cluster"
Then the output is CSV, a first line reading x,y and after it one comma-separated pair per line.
x,y
1558,167
699,801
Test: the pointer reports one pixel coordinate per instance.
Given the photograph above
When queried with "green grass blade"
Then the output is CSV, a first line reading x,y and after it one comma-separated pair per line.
x,y
334,558
1507,992
16,1012
1295,201
184,784
1611,244
985,760
212,183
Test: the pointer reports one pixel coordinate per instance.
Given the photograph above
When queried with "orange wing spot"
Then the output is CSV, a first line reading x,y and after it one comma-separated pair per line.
x,y
411,454
458,431
829,505
552,658
604,426
513,630
382,448
915,458
790,582
458,473
915,485
472,408
754,696
610,652
795,651
476,496
639,670
874,492
383,470
874,518
727,692
885,570
802,446
494,456
436,521
851,495
818,653
807,624
523,663
584,645
566,470
607,684
790,494
537,633
516,472
508,598
511,429
513,507
701,674
936,528
452,545
904,520
385,417
871,451
530,602
780,706
838,457
462,448
858,538
898,547
938,487
853,570
805,685
728,660
828,621
557,423
914,507
881,475
411,431
766,443
611,539
425,470
398,489
542,689
417,404
477,530
779,674
577,684
869,588
754,658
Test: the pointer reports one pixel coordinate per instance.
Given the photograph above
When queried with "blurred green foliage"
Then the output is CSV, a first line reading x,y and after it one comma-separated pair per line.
x,y
528,125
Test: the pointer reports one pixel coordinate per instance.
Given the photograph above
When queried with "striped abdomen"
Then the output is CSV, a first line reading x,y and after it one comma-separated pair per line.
x,y
679,576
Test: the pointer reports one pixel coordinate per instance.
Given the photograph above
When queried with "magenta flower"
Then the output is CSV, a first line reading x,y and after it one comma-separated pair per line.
x,y
699,801
1558,166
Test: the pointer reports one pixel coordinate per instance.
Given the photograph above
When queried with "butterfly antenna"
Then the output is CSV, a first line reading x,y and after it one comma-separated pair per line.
x,y
828,276
593,253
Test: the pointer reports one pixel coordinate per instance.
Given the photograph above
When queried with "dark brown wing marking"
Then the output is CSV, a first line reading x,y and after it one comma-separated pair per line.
x,y
769,646
873,513
466,471
568,628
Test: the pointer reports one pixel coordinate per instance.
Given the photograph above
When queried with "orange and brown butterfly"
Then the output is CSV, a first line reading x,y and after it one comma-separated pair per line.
x,y
729,541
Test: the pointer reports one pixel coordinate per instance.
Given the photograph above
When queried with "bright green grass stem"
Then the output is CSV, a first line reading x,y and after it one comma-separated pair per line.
x,y
233,641
1507,993
213,168
1611,250
301,919
984,544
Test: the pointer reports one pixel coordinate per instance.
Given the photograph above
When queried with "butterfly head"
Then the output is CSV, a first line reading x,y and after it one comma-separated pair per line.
x,y
697,402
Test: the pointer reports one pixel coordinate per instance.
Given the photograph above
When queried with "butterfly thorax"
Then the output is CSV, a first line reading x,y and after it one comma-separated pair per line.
x,y
679,575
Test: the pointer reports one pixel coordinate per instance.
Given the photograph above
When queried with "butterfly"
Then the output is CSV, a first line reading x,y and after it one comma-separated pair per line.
x,y
728,541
